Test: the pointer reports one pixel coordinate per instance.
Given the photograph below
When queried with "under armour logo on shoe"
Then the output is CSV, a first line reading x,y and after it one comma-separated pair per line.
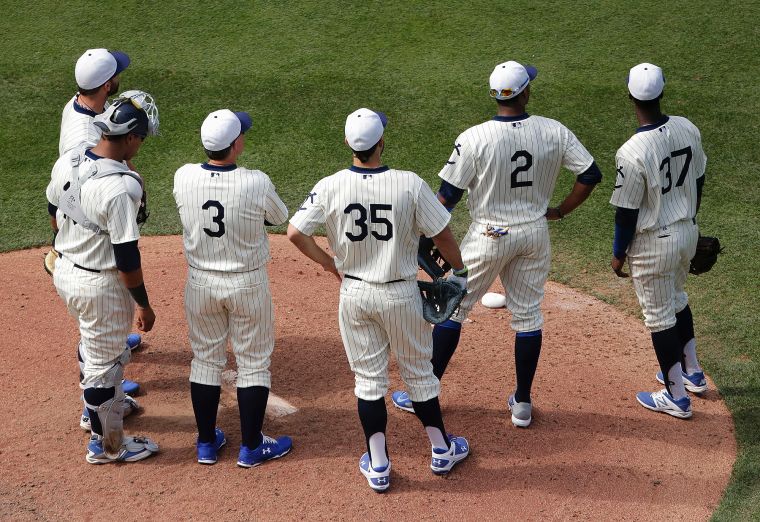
x,y
266,450
437,462
382,480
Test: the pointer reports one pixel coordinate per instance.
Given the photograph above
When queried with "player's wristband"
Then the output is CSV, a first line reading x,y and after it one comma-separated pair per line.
x,y
140,295
460,273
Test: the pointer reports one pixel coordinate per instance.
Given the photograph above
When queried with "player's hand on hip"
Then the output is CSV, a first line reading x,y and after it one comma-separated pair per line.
x,y
554,214
617,266
145,318
330,267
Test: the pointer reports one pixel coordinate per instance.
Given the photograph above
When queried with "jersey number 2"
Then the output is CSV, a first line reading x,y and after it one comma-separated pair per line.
x,y
665,165
361,221
521,154
219,232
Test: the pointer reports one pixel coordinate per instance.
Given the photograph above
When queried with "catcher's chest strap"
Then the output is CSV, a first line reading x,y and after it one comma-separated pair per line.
x,y
360,279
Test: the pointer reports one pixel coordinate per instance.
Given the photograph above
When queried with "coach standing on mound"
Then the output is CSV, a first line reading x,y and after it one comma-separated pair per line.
x,y
509,167
660,174
223,209
374,216
99,272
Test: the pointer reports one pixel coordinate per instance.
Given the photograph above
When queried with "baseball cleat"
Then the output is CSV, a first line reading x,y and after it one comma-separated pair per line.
x,y
379,479
130,406
132,450
269,449
402,401
130,387
663,402
695,382
207,450
443,460
521,412
134,341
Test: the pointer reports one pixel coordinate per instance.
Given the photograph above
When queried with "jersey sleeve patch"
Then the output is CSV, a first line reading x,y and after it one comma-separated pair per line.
x,y
630,185
311,213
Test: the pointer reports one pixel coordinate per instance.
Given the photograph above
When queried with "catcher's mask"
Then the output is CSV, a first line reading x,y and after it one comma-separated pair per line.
x,y
124,116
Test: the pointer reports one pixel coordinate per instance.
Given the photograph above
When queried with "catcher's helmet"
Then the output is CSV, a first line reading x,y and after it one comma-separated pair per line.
x,y
123,117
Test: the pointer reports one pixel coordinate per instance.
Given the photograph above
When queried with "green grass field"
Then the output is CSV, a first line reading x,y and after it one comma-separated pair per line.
x,y
299,68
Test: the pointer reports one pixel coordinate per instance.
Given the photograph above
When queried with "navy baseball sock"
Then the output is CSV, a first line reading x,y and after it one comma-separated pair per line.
x,y
429,413
685,325
445,341
527,352
252,402
667,347
374,418
205,404
96,397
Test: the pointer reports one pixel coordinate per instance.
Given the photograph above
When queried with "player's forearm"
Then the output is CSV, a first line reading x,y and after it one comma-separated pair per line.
x,y
447,246
577,196
309,247
52,209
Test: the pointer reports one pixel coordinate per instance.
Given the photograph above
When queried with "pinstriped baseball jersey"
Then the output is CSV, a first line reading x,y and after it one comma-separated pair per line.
x,y
510,165
374,218
657,172
77,127
106,202
223,209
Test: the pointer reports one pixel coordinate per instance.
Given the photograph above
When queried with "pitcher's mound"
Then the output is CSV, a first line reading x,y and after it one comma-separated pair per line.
x,y
591,453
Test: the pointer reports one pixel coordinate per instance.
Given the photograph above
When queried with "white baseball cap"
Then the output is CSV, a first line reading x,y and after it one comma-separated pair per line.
x,y
646,81
222,127
96,66
364,128
510,78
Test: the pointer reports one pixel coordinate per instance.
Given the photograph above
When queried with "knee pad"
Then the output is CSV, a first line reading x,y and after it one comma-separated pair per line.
x,y
111,412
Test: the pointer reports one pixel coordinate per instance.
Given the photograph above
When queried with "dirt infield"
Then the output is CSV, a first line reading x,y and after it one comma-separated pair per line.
x,y
591,453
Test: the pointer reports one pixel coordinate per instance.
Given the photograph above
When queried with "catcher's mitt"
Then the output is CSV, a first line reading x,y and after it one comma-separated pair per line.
x,y
440,299
430,259
50,258
706,255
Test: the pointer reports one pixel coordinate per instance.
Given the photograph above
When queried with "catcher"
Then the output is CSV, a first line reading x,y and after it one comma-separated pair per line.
x,y
374,216
660,174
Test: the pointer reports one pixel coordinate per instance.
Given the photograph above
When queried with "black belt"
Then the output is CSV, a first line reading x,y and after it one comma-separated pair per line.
x,y
80,267
360,279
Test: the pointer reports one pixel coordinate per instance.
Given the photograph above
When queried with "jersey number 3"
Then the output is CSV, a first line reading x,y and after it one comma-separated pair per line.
x,y
361,221
665,165
219,232
516,157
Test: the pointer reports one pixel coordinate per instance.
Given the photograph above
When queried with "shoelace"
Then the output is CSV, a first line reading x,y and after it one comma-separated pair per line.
x,y
268,440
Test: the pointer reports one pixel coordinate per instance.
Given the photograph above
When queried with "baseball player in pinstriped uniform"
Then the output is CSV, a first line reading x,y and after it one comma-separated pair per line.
x,y
509,167
97,75
374,216
99,274
660,174
223,209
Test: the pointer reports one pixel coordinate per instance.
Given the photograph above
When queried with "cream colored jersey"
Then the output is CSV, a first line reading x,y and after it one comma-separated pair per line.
x,y
77,127
510,165
223,210
657,172
105,201
373,218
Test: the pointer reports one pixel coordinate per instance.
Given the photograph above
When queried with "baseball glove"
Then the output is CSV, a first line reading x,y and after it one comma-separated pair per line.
x,y
705,257
440,299
50,258
430,259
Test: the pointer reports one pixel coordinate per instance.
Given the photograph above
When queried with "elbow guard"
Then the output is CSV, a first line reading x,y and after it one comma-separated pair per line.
x,y
450,194
127,256
591,176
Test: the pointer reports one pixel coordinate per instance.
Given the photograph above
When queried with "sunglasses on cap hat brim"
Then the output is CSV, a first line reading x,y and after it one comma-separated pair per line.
x,y
505,94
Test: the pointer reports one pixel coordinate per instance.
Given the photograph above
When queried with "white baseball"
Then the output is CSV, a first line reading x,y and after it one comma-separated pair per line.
x,y
493,300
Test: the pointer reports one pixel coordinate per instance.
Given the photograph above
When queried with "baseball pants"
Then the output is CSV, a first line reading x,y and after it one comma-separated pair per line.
x,y
104,310
521,259
377,319
235,306
659,261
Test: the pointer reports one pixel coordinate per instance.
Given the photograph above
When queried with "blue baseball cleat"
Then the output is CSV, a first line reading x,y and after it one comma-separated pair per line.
x,y
379,479
134,341
130,387
132,450
443,460
694,382
207,450
269,449
663,402
402,401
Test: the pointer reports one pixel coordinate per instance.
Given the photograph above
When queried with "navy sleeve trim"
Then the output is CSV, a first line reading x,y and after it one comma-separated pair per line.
x,y
52,209
450,194
591,176
127,256
625,229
